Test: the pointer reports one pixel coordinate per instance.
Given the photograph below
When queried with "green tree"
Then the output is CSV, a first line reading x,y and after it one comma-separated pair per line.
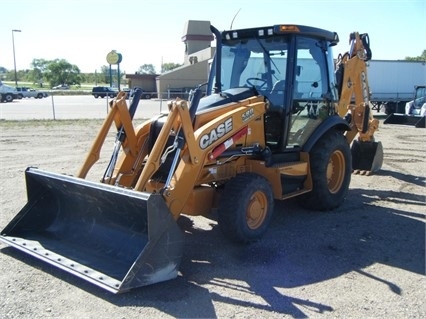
x,y
417,58
94,78
60,71
106,77
146,69
39,69
169,66
10,75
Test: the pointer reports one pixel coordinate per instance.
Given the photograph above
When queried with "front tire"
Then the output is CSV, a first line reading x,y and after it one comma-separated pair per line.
x,y
8,97
331,169
246,208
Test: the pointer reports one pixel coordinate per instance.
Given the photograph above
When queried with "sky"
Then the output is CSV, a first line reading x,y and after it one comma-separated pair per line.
x,y
150,31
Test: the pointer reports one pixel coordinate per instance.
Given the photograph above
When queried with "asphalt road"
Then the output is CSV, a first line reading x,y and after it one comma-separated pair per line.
x,y
71,107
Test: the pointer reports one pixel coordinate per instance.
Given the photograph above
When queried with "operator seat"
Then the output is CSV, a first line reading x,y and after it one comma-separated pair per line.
x,y
273,116
278,86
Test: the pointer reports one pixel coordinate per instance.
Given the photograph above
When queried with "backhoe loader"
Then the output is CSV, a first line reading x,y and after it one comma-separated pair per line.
x,y
274,121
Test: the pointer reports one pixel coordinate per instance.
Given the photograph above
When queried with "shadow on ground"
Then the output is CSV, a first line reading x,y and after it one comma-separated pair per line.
x,y
300,248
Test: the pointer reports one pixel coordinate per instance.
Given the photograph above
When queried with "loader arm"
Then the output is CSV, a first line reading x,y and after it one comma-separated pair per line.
x,y
202,146
203,140
355,88
122,117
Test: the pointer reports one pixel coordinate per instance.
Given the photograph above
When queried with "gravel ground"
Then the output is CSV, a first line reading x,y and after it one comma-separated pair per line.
x,y
365,259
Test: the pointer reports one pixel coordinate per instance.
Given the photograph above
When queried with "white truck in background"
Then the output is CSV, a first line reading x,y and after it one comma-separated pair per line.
x,y
392,83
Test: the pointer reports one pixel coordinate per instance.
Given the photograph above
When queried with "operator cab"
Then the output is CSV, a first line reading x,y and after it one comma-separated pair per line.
x,y
291,66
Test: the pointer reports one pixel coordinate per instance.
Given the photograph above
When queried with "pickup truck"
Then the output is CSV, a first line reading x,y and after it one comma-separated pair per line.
x,y
29,92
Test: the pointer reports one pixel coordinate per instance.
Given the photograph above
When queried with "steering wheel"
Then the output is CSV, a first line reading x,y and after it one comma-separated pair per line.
x,y
250,81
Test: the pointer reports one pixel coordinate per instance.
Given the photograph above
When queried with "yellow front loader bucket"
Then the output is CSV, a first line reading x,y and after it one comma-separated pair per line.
x,y
115,238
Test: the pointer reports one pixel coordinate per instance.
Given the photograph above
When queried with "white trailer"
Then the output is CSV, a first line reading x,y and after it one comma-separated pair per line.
x,y
392,82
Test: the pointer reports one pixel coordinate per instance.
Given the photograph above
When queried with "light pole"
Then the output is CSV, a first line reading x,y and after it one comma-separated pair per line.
x,y
14,59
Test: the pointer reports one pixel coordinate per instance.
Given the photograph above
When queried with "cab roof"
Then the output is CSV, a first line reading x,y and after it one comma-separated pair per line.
x,y
281,29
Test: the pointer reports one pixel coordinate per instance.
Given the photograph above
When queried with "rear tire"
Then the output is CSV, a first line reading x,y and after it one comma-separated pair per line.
x,y
246,208
331,169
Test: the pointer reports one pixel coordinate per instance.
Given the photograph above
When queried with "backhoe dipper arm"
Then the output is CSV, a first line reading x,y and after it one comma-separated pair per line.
x,y
354,87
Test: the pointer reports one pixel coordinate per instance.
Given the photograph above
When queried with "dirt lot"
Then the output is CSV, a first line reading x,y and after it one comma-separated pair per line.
x,y
363,260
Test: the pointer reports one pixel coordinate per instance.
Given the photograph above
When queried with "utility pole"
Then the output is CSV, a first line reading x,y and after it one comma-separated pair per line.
x,y
14,59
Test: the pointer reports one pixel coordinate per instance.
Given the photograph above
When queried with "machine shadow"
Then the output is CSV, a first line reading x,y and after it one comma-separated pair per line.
x,y
300,248
412,179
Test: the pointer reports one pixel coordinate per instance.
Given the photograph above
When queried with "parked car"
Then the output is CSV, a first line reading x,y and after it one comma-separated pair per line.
x,y
8,93
130,93
29,92
61,87
103,91
3,97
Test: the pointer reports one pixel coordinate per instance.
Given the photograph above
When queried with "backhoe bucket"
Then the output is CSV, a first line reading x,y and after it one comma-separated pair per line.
x,y
367,157
404,119
115,238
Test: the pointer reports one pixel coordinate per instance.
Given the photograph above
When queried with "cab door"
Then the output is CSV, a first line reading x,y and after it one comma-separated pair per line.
x,y
310,90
